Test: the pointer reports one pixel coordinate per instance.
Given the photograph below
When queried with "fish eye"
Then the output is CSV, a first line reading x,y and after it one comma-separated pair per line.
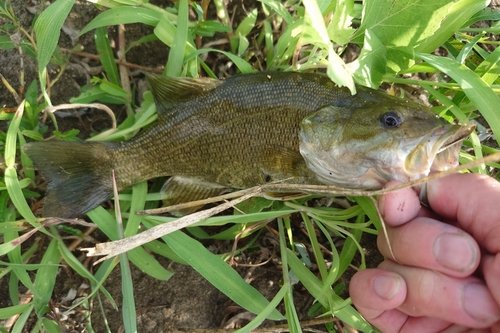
x,y
391,120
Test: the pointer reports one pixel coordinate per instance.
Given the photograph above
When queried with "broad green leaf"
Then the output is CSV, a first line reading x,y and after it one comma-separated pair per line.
x,y
459,13
399,58
478,91
403,22
314,32
48,28
124,15
370,67
339,29
219,273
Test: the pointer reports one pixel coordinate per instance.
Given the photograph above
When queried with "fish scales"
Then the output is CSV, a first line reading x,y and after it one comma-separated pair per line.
x,y
220,126
248,130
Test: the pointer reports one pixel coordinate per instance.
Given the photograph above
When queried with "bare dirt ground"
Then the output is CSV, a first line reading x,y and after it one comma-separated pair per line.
x,y
186,302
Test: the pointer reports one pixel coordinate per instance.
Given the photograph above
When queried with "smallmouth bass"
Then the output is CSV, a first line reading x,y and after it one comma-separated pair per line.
x,y
248,130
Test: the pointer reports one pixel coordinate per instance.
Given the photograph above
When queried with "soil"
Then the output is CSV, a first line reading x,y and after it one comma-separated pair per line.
x,y
185,302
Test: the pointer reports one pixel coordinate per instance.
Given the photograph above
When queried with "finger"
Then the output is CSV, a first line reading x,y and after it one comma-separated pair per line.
x,y
473,201
463,301
430,244
491,272
398,207
377,294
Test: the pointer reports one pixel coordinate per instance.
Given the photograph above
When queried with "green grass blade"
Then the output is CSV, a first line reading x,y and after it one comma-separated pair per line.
x,y
266,312
369,208
48,28
46,278
318,255
124,15
139,192
9,245
290,311
148,264
219,273
17,261
14,310
11,181
242,65
349,250
329,300
106,55
138,256
177,51
478,91
21,321
128,303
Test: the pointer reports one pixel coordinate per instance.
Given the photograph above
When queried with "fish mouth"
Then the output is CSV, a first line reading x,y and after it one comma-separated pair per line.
x,y
437,151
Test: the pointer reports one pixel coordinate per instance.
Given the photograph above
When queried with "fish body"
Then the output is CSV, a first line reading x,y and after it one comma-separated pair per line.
x,y
249,130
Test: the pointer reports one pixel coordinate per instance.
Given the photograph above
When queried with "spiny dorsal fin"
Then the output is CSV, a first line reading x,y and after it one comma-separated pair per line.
x,y
169,91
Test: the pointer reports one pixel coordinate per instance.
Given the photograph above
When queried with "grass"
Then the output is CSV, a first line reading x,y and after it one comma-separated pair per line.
x,y
396,41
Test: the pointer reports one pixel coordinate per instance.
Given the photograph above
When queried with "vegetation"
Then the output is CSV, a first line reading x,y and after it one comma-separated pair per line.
x,y
396,41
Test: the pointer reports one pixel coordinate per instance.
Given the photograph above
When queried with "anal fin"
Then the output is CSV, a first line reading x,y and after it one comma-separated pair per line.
x,y
179,189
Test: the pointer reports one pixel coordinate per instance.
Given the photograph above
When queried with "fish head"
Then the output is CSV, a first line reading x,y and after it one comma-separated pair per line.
x,y
380,141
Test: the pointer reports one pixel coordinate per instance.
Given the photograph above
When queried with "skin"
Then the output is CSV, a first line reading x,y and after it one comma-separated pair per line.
x,y
447,274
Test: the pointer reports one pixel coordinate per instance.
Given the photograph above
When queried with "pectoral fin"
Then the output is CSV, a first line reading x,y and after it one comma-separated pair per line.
x,y
178,189
280,163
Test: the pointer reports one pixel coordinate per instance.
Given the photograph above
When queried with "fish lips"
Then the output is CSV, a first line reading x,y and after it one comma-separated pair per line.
x,y
437,151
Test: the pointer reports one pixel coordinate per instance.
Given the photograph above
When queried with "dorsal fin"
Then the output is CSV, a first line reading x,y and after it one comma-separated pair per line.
x,y
169,91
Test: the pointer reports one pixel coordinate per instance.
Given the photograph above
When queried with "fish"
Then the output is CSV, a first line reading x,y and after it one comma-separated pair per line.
x,y
248,130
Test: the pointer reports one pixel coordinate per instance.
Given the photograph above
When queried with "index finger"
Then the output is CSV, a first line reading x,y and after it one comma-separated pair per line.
x,y
473,201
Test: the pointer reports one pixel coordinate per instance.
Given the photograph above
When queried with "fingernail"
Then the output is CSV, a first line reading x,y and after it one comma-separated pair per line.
x,y
387,286
455,251
479,304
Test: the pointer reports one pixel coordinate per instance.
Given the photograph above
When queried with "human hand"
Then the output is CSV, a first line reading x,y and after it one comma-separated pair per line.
x,y
447,274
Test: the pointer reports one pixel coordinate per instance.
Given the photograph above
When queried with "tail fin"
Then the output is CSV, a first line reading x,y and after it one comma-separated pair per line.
x,y
78,175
